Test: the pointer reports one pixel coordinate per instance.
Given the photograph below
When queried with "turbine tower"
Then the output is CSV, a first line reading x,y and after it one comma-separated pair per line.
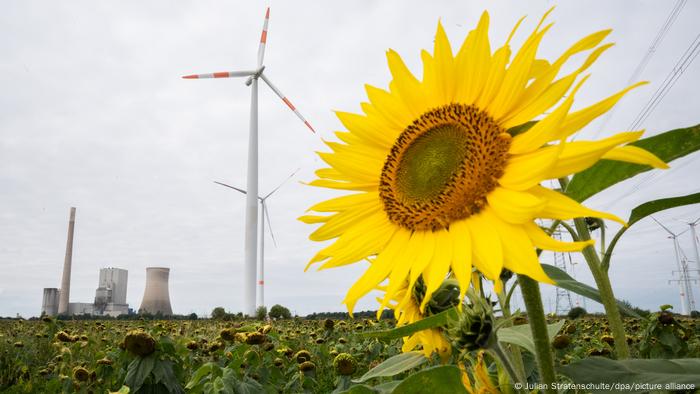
x,y
687,301
264,216
251,214
695,241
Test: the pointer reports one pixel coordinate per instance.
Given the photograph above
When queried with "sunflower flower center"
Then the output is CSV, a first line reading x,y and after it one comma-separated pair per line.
x,y
442,166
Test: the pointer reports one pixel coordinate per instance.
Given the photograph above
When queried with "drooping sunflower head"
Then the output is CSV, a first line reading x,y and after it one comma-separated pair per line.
x,y
406,305
446,171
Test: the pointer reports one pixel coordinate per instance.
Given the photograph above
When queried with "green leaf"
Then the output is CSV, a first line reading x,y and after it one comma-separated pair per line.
x,y
138,371
667,146
522,335
519,129
565,281
644,210
203,371
444,379
438,320
394,365
632,375
360,389
654,206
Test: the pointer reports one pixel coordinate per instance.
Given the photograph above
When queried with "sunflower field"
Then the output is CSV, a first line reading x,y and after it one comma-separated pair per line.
x,y
294,356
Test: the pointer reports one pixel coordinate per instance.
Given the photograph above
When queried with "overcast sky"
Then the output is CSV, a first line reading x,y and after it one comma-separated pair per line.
x,y
93,114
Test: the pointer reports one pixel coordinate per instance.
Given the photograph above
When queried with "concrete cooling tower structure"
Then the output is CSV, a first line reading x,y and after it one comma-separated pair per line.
x,y
49,304
156,297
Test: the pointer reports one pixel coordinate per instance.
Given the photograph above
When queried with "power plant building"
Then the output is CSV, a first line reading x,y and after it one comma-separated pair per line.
x,y
110,296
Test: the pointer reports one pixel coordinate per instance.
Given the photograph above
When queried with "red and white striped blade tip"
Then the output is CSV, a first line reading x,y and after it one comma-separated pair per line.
x,y
309,126
267,13
222,74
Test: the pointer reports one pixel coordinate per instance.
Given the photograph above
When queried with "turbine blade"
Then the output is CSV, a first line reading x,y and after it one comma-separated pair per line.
x,y
263,38
281,183
664,227
269,225
286,101
231,187
222,74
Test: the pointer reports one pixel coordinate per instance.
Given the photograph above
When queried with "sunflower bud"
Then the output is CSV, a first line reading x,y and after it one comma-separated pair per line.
x,y
344,364
307,366
228,334
475,327
442,299
255,338
81,374
561,341
302,356
140,343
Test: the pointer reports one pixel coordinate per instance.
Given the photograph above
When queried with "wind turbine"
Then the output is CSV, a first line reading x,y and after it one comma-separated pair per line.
x,y
684,282
264,216
251,213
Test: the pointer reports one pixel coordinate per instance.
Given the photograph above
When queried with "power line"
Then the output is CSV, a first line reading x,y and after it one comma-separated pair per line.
x,y
683,63
670,19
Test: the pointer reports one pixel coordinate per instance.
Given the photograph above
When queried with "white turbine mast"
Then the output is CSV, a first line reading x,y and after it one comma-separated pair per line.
x,y
686,292
251,215
264,216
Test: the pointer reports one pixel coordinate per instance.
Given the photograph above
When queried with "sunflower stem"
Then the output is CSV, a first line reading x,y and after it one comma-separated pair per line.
x,y
602,281
507,364
517,357
530,290
606,292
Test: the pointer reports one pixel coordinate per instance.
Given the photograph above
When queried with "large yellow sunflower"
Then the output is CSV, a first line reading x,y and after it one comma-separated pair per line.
x,y
442,181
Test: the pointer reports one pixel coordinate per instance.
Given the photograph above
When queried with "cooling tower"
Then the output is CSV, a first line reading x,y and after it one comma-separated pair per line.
x,y
49,305
65,280
156,297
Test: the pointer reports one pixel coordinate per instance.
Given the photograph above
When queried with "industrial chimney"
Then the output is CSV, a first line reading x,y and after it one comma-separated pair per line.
x,y
156,297
64,294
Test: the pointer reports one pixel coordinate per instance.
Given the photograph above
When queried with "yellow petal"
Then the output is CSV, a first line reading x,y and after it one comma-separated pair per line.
x,y
541,240
517,76
368,237
405,84
519,254
343,221
541,94
514,206
461,254
486,244
366,128
398,276
473,62
444,66
379,269
355,186
424,257
391,107
525,171
436,271
580,155
577,120
543,131
562,207
313,219
634,154
338,204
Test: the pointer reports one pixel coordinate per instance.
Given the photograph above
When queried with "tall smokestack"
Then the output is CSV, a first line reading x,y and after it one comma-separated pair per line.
x,y
156,297
64,296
